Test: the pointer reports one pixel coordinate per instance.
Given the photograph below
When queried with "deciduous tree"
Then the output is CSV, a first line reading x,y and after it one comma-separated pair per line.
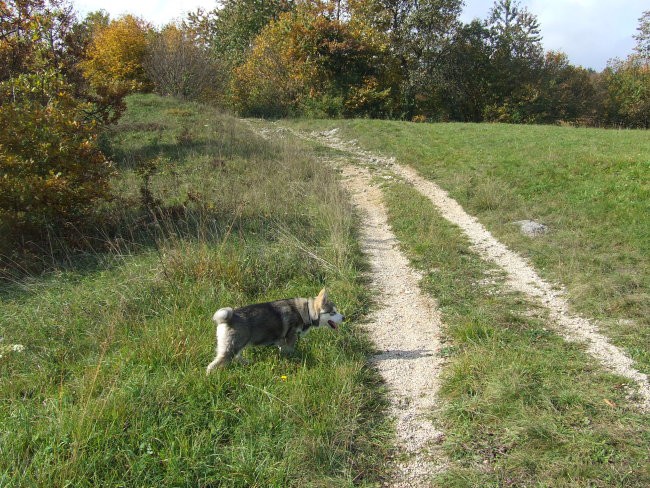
x,y
229,31
178,66
116,55
309,57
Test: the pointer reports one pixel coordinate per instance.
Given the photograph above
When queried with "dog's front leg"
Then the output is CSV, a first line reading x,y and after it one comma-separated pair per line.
x,y
288,344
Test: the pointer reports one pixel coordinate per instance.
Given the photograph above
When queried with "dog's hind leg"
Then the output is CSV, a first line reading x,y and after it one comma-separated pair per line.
x,y
240,359
226,347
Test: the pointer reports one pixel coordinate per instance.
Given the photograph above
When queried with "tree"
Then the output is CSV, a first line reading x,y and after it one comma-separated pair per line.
x,y
310,60
116,54
177,66
33,35
517,58
514,32
462,88
628,88
628,82
418,33
567,93
643,38
229,30
51,171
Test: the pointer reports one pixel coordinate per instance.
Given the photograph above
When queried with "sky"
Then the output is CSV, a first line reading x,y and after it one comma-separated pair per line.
x,y
590,32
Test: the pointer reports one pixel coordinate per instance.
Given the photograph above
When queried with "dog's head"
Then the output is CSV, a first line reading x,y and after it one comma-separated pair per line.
x,y
326,311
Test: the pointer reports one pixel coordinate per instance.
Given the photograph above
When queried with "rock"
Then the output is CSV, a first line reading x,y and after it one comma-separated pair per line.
x,y
531,228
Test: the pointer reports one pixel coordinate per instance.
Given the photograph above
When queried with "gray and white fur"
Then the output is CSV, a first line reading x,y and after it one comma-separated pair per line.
x,y
272,323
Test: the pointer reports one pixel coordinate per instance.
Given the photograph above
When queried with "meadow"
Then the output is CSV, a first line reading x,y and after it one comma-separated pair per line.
x,y
519,405
103,354
591,187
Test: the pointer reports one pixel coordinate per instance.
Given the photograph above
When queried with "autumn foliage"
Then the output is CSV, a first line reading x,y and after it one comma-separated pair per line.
x,y
116,54
51,171
309,59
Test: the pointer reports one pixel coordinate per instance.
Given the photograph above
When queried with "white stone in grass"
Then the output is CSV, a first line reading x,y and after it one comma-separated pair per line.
x,y
531,228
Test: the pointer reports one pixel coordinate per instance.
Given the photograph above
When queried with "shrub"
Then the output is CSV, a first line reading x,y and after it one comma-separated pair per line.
x,y
177,66
51,171
116,54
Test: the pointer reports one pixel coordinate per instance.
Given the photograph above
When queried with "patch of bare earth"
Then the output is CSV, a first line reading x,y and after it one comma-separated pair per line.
x,y
521,276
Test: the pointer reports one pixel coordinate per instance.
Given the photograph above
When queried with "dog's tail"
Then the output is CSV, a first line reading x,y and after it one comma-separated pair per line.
x,y
223,315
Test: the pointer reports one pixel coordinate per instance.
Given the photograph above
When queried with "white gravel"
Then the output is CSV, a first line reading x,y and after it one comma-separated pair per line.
x,y
521,276
405,327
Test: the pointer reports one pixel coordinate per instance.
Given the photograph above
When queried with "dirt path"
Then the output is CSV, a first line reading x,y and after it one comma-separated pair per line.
x,y
405,327
521,276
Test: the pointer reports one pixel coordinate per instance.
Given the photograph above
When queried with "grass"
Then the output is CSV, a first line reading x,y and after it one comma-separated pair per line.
x,y
521,407
591,187
102,358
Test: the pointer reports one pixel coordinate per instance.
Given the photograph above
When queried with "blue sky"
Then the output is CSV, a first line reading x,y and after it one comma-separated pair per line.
x,y
590,32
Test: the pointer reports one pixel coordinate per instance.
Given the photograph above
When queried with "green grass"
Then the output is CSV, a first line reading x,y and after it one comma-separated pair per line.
x,y
102,357
110,388
520,406
590,186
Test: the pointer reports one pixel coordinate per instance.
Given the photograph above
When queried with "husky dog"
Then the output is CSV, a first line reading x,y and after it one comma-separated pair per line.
x,y
273,323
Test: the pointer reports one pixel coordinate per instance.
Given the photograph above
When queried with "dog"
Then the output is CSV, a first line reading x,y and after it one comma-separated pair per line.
x,y
278,323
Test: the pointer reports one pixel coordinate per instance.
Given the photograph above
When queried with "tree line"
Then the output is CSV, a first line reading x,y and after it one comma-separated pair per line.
x,y
412,60
64,78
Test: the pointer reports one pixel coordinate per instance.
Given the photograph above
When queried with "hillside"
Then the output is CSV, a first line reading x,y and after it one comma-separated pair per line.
x,y
527,395
444,373
103,357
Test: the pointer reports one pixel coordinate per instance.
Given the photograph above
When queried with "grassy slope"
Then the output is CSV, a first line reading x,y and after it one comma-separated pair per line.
x,y
590,186
110,389
521,406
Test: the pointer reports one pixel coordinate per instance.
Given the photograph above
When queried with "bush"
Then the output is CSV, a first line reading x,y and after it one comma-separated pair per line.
x,y
177,66
116,54
51,171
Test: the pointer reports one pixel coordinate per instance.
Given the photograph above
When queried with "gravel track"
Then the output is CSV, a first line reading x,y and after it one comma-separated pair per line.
x,y
521,276
405,327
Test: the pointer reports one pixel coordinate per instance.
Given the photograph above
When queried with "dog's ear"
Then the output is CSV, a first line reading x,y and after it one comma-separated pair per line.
x,y
320,299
